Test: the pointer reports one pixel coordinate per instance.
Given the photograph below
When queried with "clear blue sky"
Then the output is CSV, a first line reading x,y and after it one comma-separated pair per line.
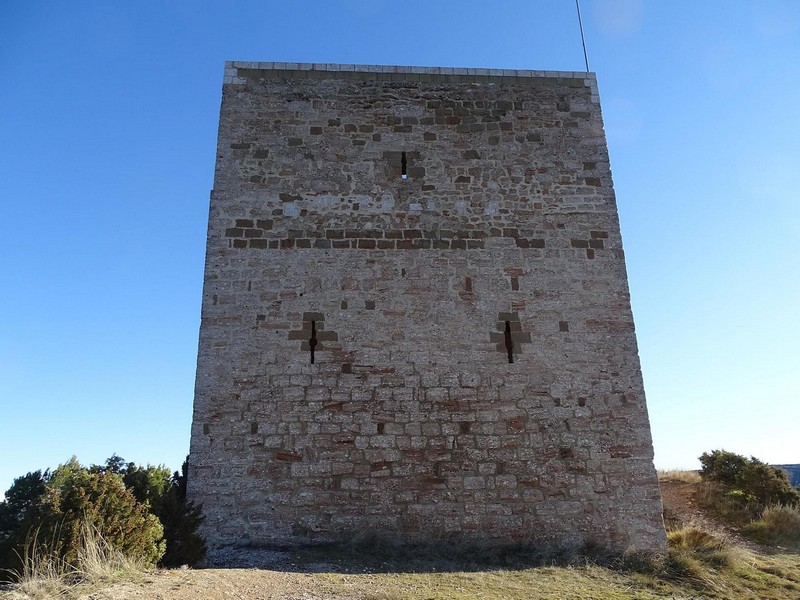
x,y
107,144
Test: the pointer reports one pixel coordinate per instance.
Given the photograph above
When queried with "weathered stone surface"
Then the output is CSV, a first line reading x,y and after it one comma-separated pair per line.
x,y
410,292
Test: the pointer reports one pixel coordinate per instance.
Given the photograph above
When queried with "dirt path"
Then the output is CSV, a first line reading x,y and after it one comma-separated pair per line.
x,y
680,505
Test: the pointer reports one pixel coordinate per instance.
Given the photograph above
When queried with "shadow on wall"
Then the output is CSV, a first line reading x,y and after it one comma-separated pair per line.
x,y
373,554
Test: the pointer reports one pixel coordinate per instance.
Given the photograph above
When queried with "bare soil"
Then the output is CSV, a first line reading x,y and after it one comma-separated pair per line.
x,y
681,506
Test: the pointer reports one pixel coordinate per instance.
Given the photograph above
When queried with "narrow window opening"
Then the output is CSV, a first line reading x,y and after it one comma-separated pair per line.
x,y
509,343
312,343
403,166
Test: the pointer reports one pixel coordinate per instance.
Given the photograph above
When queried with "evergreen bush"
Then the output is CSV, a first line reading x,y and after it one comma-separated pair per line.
x,y
141,512
166,496
748,481
102,501
20,513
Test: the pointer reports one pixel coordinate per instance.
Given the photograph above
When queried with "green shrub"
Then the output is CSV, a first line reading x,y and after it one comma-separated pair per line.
x,y
140,512
723,467
149,484
181,519
20,513
769,485
748,481
166,496
104,503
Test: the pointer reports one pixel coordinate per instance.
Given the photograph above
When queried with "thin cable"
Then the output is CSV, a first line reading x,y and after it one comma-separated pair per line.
x,y
583,39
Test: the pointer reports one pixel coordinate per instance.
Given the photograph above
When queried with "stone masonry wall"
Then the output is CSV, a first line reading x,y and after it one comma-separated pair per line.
x,y
447,353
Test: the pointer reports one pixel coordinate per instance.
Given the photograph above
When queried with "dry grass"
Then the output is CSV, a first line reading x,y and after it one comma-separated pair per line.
x,y
700,557
45,574
778,526
546,583
699,565
98,562
43,571
679,476
713,547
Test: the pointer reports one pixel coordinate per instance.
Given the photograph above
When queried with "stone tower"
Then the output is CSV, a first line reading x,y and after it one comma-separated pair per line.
x,y
415,315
